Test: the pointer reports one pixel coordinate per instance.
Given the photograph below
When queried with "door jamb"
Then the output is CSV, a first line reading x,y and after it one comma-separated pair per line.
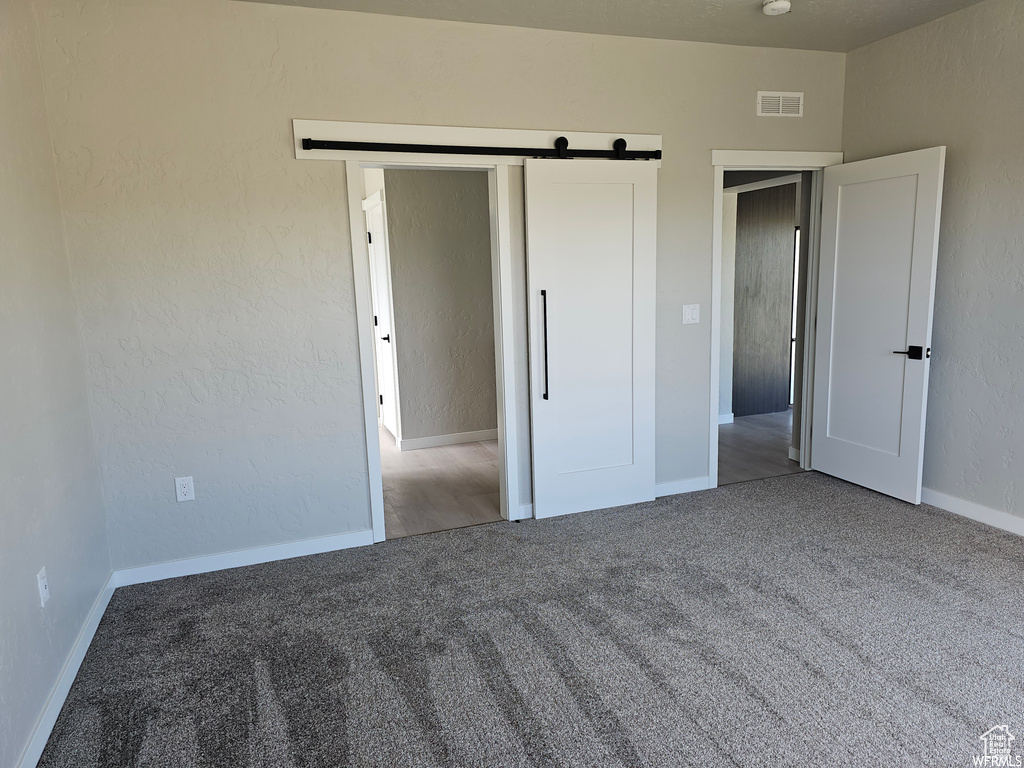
x,y
778,181
364,342
501,277
501,259
750,160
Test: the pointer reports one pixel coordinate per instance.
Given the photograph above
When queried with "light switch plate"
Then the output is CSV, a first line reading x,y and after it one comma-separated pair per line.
x,y
691,314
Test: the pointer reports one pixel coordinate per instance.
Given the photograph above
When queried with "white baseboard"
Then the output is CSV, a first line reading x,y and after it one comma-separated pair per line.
x,y
146,573
44,726
725,418
254,556
675,487
794,453
524,512
415,443
994,517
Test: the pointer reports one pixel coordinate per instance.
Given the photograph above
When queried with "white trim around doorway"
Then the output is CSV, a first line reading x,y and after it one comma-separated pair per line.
x,y
755,160
501,259
364,308
778,181
501,266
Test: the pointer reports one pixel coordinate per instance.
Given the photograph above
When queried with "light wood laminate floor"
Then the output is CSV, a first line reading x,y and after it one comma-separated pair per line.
x,y
435,489
753,447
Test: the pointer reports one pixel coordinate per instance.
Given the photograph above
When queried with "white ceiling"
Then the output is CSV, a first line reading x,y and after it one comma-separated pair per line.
x,y
823,25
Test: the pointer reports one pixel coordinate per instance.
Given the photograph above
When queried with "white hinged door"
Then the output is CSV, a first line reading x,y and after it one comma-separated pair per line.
x,y
879,243
383,330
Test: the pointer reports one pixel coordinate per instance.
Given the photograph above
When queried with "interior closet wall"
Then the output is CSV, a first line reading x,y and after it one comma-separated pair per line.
x,y
440,247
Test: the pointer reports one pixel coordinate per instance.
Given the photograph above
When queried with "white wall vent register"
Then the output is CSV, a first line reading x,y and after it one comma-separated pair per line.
x,y
780,104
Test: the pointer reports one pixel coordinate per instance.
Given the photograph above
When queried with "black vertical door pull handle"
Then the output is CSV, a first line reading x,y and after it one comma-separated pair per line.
x,y
912,353
544,298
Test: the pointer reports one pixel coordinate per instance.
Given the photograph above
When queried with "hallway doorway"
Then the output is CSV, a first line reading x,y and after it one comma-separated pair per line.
x,y
429,239
763,290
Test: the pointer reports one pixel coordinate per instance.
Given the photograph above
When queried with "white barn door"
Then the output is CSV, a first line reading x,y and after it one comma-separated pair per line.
x,y
879,242
591,235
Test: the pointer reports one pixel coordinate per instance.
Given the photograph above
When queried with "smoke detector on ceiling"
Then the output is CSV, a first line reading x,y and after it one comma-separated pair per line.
x,y
775,7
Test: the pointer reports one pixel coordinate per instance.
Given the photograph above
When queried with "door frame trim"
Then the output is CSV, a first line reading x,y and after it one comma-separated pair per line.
x,y
501,279
512,507
756,160
754,186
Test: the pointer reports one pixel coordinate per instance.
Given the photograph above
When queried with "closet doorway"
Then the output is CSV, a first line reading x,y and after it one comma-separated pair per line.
x,y
429,245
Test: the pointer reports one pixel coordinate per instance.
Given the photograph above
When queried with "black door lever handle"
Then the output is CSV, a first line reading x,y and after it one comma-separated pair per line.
x,y
912,353
386,338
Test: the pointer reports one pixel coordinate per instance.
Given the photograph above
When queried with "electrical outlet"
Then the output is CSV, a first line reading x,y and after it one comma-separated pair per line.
x,y
183,489
44,588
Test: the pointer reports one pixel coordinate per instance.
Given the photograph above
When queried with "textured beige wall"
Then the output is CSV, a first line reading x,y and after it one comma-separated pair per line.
x,y
958,81
213,269
51,506
439,235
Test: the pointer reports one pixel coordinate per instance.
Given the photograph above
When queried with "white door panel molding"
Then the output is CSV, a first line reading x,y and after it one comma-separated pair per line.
x,y
876,289
591,234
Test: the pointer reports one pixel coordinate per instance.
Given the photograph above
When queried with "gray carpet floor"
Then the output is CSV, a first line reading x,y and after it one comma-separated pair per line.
x,y
795,621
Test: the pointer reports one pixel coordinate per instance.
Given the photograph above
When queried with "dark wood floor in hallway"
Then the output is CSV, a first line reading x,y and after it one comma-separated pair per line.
x,y
753,447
